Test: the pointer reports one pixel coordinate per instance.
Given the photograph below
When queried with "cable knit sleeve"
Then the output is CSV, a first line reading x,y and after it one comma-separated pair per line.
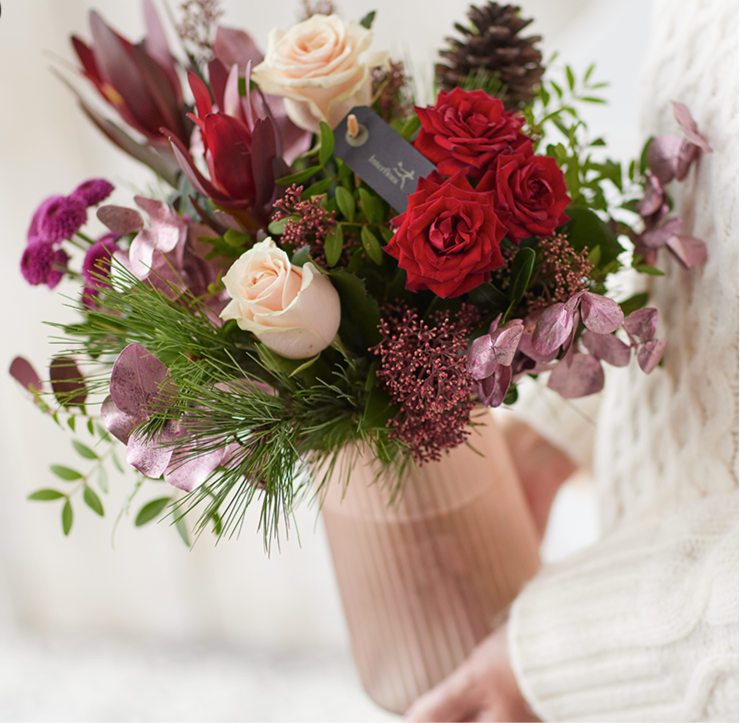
x,y
643,625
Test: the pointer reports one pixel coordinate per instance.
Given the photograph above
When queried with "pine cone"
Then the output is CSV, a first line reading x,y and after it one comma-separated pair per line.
x,y
494,44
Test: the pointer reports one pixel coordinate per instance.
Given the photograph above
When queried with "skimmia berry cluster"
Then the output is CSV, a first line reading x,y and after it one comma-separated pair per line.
x,y
271,308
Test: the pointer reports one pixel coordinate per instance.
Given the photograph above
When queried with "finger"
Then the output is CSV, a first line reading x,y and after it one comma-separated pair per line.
x,y
454,699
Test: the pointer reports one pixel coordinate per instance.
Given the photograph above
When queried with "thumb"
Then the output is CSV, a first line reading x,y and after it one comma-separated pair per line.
x,y
454,699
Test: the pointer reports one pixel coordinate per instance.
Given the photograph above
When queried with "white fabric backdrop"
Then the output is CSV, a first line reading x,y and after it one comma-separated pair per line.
x,y
150,585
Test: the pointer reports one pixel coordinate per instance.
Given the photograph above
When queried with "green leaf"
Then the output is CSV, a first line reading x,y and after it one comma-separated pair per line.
x,y
521,273
367,21
46,495
333,245
371,245
591,99
586,230
569,75
277,227
594,256
589,70
317,188
93,501
649,270
410,127
644,155
634,303
346,203
67,517
370,206
66,473
302,256
298,178
327,143
236,239
83,450
487,296
378,409
557,89
360,312
91,427
117,463
71,423
103,480
151,510
182,530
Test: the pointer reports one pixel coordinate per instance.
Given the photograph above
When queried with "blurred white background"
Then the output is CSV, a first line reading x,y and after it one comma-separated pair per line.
x,y
149,630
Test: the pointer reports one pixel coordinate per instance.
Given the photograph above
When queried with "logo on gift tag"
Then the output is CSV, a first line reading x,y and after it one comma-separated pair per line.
x,y
381,157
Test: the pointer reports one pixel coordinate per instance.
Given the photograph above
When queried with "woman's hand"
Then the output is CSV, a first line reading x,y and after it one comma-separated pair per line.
x,y
483,688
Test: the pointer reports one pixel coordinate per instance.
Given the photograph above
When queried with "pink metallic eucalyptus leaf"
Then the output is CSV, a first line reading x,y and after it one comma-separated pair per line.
x,y
481,357
600,314
688,125
147,456
506,340
606,347
67,382
662,157
191,473
137,380
121,220
23,372
235,47
653,199
553,328
492,390
688,250
584,376
656,237
686,157
642,323
118,423
650,354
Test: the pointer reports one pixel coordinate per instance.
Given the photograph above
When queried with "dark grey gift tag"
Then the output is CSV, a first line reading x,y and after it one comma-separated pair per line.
x,y
382,158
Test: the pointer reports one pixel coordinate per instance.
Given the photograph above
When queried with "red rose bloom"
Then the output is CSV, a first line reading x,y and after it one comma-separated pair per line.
x,y
448,238
466,130
530,195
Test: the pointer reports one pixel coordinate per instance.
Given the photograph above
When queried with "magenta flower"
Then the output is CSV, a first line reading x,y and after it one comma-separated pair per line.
x,y
56,219
96,267
92,192
41,263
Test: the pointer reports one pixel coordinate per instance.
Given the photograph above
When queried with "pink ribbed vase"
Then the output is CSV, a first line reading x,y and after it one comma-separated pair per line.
x,y
424,579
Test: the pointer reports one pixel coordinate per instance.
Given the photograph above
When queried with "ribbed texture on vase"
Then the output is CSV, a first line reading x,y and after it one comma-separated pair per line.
x,y
424,579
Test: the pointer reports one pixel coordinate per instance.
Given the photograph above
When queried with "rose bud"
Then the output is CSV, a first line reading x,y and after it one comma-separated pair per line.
x,y
321,68
293,310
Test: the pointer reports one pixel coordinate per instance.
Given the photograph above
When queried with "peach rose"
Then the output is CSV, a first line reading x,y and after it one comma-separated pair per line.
x,y
292,310
321,67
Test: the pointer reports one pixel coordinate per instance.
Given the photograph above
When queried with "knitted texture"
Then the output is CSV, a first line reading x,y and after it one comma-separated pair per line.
x,y
643,625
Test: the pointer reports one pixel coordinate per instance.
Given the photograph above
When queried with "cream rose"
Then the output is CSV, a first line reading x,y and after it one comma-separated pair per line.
x,y
292,310
321,67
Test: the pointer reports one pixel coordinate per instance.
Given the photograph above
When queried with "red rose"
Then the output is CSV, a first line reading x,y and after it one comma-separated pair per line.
x,y
448,238
530,194
466,130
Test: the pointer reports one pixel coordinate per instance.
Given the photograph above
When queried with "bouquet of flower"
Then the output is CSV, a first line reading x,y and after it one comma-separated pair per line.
x,y
328,264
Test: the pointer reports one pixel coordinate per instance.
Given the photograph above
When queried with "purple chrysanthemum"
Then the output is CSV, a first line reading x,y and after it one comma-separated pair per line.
x,y
96,267
42,264
92,192
56,219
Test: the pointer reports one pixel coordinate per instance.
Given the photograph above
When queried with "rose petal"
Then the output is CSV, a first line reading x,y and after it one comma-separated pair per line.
x,y
601,314
650,354
584,376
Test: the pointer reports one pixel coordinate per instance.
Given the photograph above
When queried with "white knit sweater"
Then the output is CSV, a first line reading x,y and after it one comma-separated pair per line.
x,y
644,624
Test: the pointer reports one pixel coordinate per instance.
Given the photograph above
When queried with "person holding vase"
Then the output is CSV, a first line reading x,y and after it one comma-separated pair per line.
x,y
642,625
